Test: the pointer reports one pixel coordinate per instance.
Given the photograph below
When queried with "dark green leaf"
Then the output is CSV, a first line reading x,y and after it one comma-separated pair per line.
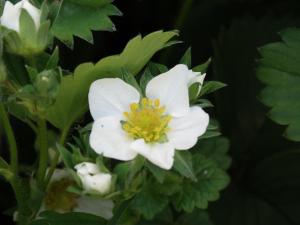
x,y
157,172
80,17
279,71
184,165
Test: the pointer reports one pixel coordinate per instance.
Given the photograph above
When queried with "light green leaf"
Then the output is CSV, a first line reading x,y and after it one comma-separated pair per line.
x,y
184,165
80,17
279,70
71,101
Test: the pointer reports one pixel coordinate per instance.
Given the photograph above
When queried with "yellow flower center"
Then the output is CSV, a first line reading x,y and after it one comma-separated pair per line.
x,y
147,120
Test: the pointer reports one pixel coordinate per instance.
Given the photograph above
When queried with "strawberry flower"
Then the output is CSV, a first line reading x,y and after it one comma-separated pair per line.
x,y
127,124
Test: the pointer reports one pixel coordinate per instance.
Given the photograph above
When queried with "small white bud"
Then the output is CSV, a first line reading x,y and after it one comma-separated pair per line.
x,y
92,179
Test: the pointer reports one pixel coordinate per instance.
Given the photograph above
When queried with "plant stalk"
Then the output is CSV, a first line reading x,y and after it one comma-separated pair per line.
x,y
43,152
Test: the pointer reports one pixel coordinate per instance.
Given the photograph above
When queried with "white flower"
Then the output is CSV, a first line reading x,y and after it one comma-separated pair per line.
x,y
11,14
92,179
126,125
60,200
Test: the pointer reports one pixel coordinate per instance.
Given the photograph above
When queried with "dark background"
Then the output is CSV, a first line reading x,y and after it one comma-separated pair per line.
x,y
230,31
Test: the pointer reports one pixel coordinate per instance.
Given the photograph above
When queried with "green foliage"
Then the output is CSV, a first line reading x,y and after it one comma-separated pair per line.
x,y
149,202
215,149
71,101
187,58
75,17
279,71
210,180
211,86
52,218
184,165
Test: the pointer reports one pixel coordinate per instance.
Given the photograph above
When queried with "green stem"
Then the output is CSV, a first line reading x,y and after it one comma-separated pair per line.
x,y
62,140
23,210
10,139
43,152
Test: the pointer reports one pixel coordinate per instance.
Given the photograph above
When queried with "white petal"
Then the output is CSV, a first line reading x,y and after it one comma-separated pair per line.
x,y
10,16
161,155
99,183
184,131
87,168
171,88
95,206
111,97
34,12
108,138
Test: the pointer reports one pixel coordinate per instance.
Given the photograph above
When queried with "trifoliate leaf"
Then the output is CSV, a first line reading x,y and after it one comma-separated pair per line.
x,y
71,101
279,70
211,180
78,18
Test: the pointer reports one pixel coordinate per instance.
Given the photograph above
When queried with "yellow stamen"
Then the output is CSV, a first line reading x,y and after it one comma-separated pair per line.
x,y
146,120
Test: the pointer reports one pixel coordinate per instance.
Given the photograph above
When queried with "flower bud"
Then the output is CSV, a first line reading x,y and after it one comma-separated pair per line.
x,y
11,14
92,179
25,32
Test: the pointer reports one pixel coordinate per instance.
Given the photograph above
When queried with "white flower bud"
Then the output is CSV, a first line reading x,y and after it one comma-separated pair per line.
x,y
11,14
92,179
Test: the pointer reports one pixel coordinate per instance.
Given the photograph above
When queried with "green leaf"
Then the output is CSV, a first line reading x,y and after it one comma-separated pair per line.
x,y
184,165
215,149
53,218
202,67
130,79
211,180
157,172
211,86
80,17
148,202
71,101
187,58
3,163
279,70
146,77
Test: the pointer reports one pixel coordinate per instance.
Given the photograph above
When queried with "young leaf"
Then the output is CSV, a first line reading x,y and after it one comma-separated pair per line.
x,y
184,165
187,58
130,79
211,86
71,101
202,67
